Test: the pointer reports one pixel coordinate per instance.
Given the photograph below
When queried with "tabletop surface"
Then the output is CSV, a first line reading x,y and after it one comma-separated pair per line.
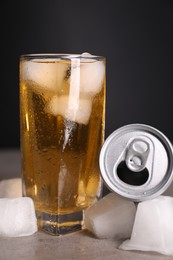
x,y
79,245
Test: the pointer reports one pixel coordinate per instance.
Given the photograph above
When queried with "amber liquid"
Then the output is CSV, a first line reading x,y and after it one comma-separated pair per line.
x,y
60,158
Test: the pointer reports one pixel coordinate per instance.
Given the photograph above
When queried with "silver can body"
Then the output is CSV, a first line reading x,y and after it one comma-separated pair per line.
x,y
136,162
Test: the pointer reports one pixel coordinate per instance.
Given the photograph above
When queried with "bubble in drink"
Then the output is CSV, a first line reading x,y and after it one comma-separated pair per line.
x,y
11,188
17,217
153,227
111,217
72,108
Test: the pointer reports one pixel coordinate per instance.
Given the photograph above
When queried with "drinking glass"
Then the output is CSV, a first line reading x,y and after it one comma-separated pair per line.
x,y
62,121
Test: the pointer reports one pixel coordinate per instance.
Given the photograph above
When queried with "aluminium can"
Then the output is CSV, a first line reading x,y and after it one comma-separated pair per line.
x,y
136,162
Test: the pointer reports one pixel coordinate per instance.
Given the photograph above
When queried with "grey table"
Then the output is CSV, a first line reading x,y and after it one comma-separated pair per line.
x,y
80,245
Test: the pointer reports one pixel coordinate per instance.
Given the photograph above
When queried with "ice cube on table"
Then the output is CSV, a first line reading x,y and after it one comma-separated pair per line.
x,y
11,188
17,217
49,76
70,107
111,217
153,227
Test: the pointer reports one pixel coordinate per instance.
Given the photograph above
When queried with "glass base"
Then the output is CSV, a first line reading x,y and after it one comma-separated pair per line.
x,y
60,224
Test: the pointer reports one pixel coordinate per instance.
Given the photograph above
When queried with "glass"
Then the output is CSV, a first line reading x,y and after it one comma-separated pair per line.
x,y
62,118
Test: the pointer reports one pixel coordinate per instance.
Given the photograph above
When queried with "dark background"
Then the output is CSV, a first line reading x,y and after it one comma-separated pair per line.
x,y
134,36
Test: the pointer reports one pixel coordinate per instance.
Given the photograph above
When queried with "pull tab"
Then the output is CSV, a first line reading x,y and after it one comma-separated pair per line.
x,y
137,155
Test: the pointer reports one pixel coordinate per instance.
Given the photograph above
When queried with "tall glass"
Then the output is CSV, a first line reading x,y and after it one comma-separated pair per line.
x,y
62,115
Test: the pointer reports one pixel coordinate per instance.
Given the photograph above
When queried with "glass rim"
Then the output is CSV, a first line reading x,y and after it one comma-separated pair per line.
x,y
62,56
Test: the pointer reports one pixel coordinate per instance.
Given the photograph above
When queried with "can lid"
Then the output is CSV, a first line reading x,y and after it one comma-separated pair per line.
x,y
136,161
